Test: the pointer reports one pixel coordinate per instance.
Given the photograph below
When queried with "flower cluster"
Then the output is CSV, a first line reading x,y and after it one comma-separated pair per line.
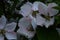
x,y
7,29
34,14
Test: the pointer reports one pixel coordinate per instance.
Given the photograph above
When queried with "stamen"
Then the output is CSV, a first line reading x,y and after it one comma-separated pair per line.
x,y
34,13
2,31
46,17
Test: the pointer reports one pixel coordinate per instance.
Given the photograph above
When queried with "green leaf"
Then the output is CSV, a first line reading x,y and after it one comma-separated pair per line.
x,y
41,34
57,19
47,34
58,8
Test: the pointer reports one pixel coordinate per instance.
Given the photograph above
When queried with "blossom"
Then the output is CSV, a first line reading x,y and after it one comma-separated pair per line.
x,y
48,13
28,8
25,27
7,29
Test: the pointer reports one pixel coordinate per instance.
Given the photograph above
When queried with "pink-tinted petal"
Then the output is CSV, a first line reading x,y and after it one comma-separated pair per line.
x,y
10,26
11,35
24,22
24,25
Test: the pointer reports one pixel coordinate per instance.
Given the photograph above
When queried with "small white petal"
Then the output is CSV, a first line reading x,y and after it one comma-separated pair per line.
x,y
58,29
42,8
49,22
1,26
24,22
34,23
52,12
10,26
26,9
40,20
26,33
1,37
50,5
2,22
11,35
35,6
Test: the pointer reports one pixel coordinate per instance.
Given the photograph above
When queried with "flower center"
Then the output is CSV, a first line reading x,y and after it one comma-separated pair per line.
x,y
47,17
34,13
2,31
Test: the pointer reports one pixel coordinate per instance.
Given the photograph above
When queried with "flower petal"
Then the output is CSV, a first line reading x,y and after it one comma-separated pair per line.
x,y
42,8
10,26
26,33
26,9
34,24
24,22
11,35
33,21
50,5
2,22
35,6
52,12
49,22
1,37
40,20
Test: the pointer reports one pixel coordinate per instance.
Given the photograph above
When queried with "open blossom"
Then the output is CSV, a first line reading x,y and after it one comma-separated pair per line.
x,y
25,27
48,13
7,29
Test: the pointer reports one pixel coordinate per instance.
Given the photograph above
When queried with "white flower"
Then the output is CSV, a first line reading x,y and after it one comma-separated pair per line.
x,y
7,29
58,30
48,12
28,8
25,27
43,21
